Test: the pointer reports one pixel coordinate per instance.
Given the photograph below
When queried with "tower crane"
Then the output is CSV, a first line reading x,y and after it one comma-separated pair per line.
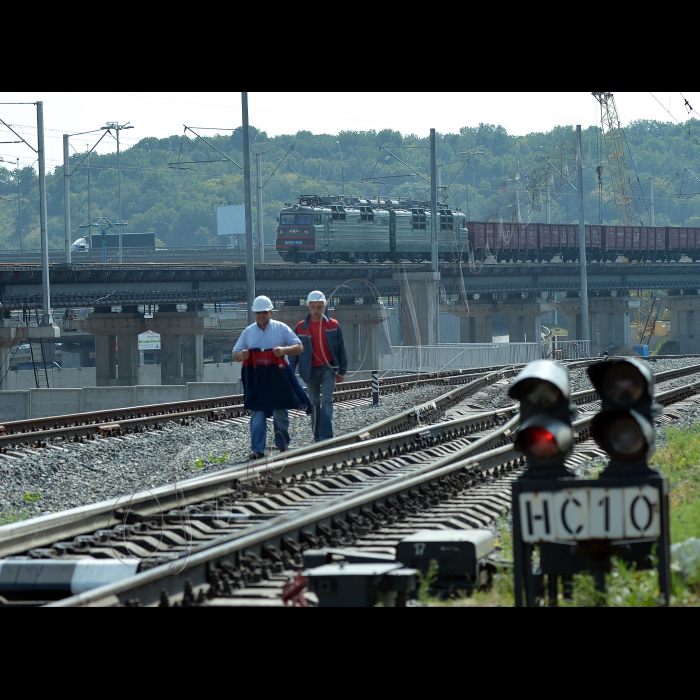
x,y
619,175
622,191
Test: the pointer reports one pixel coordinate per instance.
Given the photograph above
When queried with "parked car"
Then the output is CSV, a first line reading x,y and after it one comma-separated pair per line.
x,y
36,365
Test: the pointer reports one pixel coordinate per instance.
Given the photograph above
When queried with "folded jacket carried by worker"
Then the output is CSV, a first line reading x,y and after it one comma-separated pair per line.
x,y
269,384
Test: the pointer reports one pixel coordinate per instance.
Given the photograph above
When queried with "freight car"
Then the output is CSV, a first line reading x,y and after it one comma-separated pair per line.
x,y
353,229
542,242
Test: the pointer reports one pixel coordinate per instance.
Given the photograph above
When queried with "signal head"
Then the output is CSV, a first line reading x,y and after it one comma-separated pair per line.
x,y
545,435
624,427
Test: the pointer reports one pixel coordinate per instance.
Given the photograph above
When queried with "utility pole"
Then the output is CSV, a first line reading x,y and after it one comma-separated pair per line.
x,y
342,171
549,196
66,196
88,175
118,127
585,334
249,261
651,201
434,266
46,292
261,236
19,209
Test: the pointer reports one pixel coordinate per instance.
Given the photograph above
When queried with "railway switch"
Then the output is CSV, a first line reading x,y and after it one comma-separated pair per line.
x,y
624,427
545,435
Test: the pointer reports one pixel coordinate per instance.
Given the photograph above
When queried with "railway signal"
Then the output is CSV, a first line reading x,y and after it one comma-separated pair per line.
x,y
624,427
579,525
545,435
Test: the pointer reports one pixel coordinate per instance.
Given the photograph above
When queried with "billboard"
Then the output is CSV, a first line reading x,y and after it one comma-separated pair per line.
x,y
230,221
149,341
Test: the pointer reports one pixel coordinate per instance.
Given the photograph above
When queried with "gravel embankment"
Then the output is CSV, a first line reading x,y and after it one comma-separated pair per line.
x,y
70,475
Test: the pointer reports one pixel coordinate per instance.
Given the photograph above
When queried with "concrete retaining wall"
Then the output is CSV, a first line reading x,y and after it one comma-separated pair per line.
x,y
37,403
75,378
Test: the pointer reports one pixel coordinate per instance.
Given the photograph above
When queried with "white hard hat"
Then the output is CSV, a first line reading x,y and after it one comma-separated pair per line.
x,y
262,303
316,296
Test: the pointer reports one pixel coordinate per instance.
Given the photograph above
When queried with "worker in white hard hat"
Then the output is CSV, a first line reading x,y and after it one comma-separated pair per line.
x,y
268,389
322,364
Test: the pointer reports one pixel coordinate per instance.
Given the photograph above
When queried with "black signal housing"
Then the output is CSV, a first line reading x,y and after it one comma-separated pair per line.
x,y
545,435
624,427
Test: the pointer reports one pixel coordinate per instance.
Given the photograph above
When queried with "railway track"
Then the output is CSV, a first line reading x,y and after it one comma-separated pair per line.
x,y
228,537
37,432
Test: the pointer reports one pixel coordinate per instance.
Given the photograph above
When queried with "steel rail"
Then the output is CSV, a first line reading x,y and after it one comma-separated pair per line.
x,y
193,571
309,460
24,535
34,431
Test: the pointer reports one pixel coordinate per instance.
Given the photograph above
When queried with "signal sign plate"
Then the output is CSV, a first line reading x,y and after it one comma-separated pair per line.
x,y
590,513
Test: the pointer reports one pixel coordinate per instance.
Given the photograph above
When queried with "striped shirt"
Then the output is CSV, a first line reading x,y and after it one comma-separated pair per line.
x,y
276,334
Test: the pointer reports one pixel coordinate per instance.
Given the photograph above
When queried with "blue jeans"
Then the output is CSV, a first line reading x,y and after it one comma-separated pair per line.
x,y
320,390
258,429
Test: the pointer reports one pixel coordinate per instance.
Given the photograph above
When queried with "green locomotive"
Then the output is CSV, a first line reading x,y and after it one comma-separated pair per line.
x,y
343,228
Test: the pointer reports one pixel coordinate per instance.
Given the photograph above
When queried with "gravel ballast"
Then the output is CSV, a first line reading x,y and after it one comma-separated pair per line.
x,y
68,475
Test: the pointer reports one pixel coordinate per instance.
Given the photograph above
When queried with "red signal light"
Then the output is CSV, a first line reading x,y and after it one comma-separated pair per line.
x,y
539,443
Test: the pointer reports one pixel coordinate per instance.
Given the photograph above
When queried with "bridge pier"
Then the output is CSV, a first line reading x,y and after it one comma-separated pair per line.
x,y
418,295
524,314
609,319
181,342
684,311
360,325
111,329
475,319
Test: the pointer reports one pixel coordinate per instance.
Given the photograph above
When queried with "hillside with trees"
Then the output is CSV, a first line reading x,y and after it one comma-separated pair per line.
x,y
173,185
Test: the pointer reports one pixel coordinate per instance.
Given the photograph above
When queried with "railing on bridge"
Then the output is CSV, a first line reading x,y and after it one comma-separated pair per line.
x,y
438,358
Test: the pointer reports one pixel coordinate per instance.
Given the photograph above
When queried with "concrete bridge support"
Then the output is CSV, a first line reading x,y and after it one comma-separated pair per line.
x,y
684,311
524,315
360,326
111,330
609,321
181,342
418,307
475,319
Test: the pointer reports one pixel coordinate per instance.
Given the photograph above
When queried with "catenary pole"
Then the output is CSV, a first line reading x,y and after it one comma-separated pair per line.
x,y
261,234
66,196
434,228
249,261
45,290
585,335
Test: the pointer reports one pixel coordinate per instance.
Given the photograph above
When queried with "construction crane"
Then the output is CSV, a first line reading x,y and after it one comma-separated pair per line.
x,y
619,175
622,192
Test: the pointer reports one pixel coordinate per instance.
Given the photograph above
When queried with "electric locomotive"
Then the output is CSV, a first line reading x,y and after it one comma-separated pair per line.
x,y
343,228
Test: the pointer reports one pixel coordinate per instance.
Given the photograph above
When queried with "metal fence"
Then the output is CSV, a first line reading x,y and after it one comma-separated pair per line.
x,y
566,349
438,358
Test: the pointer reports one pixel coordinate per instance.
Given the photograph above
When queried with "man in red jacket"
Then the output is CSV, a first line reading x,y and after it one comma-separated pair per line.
x,y
322,364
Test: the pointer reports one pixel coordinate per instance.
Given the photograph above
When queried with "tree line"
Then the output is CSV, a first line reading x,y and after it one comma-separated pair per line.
x,y
173,185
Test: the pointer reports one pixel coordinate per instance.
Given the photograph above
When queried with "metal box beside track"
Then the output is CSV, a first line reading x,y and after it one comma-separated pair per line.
x,y
458,553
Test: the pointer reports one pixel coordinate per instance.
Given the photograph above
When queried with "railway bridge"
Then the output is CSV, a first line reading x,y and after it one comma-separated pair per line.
x,y
181,302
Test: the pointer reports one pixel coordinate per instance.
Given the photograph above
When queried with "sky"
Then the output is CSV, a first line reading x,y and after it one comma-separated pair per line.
x,y
164,114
